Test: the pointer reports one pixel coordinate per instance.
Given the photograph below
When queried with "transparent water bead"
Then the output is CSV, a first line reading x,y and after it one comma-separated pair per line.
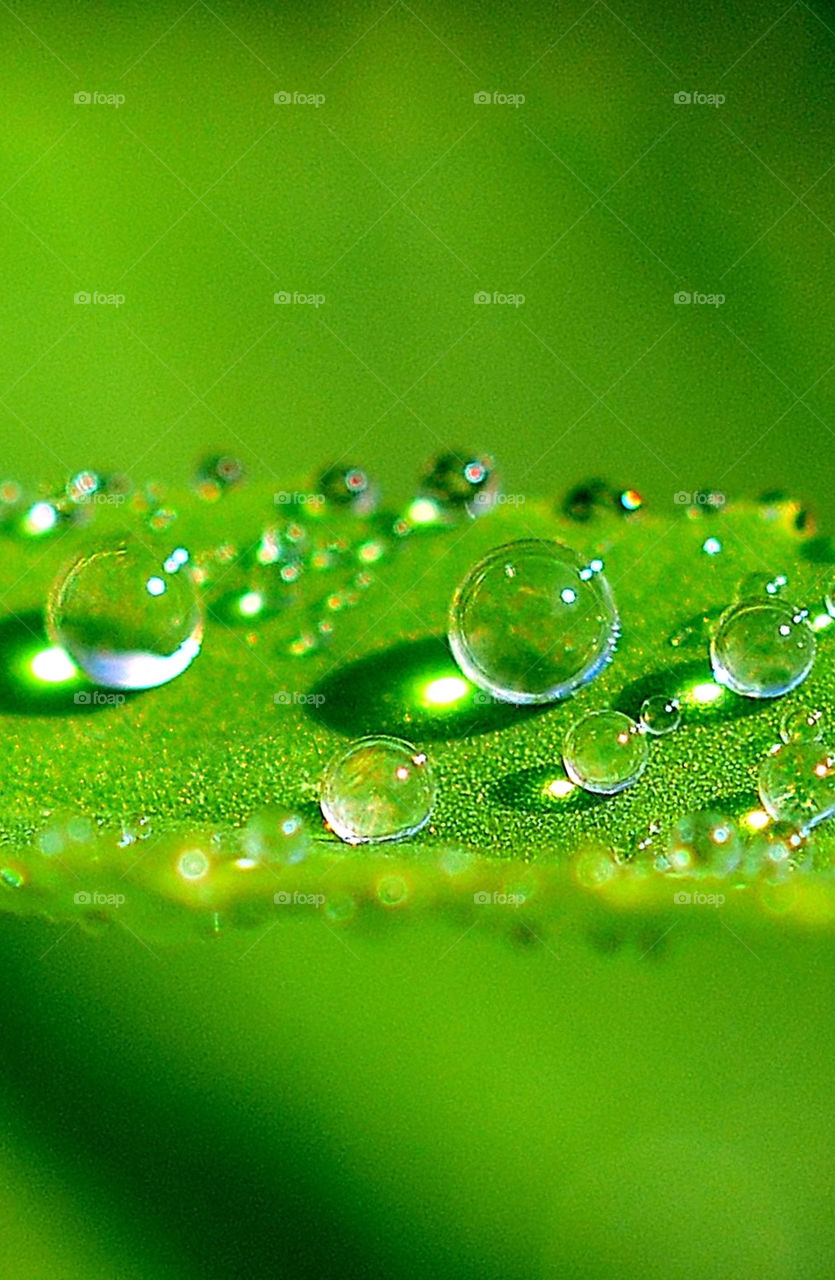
x,y
802,726
274,835
381,788
762,648
705,842
128,618
532,622
350,487
605,752
660,715
461,480
797,783
779,847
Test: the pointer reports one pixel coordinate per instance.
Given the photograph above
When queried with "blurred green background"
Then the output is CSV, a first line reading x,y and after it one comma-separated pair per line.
x,y
398,198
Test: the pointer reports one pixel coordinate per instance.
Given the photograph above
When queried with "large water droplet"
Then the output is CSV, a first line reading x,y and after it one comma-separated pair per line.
x,y
762,648
381,788
797,783
605,752
532,622
704,842
125,619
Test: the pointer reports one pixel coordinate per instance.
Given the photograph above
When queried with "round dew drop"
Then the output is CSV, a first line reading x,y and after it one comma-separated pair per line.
x,y
381,788
797,784
762,648
126,618
660,715
605,752
706,843
532,622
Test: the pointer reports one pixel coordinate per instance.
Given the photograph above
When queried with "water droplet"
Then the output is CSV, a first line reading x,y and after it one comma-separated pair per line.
x,y
660,715
762,649
605,752
595,497
126,621
531,622
754,586
381,788
12,878
217,473
704,842
830,598
780,846
460,481
797,783
274,835
193,864
392,891
351,487
802,726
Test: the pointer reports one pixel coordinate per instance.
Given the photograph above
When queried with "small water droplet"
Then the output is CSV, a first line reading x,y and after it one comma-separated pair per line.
x,y
381,788
217,473
459,481
532,622
605,752
704,842
274,835
762,648
595,497
350,487
802,726
797,783
126,621
660,714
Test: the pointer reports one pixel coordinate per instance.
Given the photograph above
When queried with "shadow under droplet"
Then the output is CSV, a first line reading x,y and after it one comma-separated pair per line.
x,y
703,701
410,690
542,789
23,691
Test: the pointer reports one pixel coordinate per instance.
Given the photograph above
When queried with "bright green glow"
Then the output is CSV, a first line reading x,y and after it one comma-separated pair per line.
x,y
446,689
422,511
559,788
53,666
706,693
821,622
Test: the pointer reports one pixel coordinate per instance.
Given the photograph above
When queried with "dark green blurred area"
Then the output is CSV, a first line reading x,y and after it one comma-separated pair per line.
x,y
398,198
